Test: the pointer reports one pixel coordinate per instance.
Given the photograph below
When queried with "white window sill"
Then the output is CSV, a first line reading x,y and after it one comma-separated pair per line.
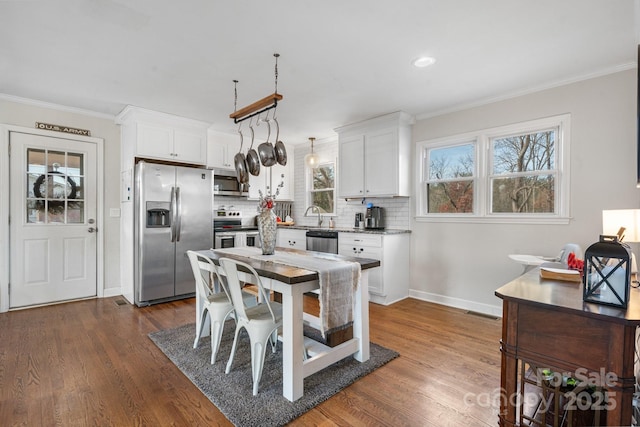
x,y
493,219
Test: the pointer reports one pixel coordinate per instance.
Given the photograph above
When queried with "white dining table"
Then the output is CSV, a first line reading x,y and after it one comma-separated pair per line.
x,y
292,283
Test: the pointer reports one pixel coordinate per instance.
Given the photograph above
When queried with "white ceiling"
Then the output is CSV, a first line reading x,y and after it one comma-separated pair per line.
x,y
341,61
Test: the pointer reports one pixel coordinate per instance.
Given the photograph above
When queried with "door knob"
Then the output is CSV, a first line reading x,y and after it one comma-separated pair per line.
x,y
92,229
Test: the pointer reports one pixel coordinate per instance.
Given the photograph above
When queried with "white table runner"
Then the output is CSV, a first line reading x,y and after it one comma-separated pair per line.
x,y
338,282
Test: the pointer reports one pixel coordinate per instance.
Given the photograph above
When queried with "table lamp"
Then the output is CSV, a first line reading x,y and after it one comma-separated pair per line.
x,y
625,223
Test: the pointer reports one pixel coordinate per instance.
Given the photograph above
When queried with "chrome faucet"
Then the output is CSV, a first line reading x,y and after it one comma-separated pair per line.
x,y
318,211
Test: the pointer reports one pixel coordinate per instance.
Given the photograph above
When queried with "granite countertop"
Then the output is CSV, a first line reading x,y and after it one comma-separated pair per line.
x,y
344,229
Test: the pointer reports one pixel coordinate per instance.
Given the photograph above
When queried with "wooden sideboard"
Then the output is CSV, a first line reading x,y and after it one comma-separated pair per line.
x,y
546,324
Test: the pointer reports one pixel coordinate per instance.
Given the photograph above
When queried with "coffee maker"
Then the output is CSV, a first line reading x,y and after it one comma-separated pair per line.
x,y
374,217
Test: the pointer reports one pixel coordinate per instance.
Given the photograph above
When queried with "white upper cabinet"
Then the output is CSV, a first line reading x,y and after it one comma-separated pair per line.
x,y
271,177
284,175
351,164
154,135
374,157
221,147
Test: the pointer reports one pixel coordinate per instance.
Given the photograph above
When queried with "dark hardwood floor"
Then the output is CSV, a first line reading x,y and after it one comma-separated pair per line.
x,y
91,363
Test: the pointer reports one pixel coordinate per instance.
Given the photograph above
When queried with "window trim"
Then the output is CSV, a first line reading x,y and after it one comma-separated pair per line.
x,y
309,185
483,167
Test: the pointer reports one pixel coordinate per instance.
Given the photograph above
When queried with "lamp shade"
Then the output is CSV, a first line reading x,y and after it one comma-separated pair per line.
x,y
629,219
311,159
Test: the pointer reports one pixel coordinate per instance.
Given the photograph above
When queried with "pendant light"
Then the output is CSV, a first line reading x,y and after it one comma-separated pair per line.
x,y
311,159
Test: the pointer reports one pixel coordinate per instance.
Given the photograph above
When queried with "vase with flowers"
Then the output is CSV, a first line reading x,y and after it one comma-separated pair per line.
x,y
267,223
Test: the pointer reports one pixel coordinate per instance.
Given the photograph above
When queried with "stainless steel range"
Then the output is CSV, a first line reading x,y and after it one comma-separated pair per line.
x,y
231,230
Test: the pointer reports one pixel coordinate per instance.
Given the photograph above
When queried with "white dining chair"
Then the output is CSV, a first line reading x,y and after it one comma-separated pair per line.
x,y
215,305
261,321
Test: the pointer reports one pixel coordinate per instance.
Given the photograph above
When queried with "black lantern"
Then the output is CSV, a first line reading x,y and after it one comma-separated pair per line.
x,y
607,272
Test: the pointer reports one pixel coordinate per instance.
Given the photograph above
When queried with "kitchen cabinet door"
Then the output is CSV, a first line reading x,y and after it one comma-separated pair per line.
x,y
292,238
374,157
258,184
189,147
268,182
167,143
360,251
389,282
220,150
284,175
351,166
380,171
155,142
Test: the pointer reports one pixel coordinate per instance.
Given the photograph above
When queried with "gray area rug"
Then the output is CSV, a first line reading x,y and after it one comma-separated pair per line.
x,y
232,393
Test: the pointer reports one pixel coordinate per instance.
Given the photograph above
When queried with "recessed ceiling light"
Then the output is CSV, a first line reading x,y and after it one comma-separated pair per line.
x,y
423,61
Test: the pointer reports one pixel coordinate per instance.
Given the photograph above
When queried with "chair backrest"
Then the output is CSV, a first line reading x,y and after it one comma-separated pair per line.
x,y
203,271
230,267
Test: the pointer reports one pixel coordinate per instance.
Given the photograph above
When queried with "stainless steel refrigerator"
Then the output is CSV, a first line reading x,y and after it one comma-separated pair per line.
x,y
174,213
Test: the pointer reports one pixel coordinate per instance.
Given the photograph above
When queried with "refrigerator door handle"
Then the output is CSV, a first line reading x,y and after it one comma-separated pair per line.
x,y
179,214
174,214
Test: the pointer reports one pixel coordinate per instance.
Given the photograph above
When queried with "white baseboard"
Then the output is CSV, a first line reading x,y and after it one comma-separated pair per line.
x,y
492,310
112,292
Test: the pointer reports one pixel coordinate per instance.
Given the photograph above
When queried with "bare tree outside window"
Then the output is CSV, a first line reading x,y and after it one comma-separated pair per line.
x,y
322,190
450,179
524,173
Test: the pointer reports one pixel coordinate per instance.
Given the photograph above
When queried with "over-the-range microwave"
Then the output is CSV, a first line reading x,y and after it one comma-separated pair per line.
x,y
225,183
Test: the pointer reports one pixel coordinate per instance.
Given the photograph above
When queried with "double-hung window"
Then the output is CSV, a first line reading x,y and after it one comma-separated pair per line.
x,y
321,186
515,173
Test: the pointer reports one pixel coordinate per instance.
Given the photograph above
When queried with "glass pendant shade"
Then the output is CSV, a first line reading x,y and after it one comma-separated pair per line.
x,y
311,159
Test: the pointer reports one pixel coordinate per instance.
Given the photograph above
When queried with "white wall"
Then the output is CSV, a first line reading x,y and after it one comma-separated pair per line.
x,y
463,264
25,113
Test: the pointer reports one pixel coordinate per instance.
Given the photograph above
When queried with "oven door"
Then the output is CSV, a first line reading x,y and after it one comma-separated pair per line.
x,y
224,240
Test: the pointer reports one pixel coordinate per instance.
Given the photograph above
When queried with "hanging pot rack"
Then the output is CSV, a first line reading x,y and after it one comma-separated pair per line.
x,y
265,104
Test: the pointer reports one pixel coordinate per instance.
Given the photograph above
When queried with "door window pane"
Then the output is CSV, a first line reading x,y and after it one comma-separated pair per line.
x,y
56,161
55,182
75,165
75,213
36,161
34,211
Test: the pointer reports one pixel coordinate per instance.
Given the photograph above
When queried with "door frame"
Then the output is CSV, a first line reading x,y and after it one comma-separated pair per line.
x,y
5,262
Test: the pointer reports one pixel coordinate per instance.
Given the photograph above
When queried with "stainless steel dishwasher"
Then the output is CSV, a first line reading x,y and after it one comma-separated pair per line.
x,y
322,241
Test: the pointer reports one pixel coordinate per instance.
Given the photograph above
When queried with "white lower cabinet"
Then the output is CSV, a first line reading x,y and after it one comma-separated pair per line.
x,y
288,238
389,282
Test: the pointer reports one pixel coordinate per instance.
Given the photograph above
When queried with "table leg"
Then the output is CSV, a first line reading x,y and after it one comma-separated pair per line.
x,y
292,344
361,318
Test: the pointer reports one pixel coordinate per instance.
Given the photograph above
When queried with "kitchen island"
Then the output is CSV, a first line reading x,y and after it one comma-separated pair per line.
x,y
292,283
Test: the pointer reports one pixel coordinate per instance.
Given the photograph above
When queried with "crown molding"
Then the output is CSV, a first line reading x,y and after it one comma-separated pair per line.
x,y
528,91
52,106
